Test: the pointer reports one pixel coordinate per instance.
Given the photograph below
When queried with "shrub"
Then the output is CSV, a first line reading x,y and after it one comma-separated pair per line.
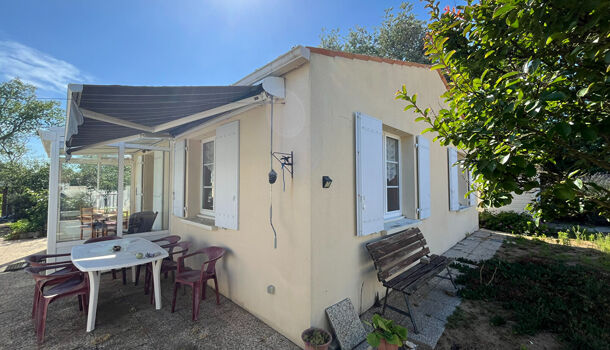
x,y
19,227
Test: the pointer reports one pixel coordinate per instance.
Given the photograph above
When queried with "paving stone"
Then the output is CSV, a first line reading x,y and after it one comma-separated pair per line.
x,y
346,324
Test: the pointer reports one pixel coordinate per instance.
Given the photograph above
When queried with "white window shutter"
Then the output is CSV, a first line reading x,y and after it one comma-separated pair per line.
x,y
423,176
179,176
454,200
226,192
472,197
369,175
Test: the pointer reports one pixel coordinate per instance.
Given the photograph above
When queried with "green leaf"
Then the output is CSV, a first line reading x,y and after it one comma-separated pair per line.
x,y
505,159
373,339
578,183
582,92
489,53
553,96
564,129
503,10
438,66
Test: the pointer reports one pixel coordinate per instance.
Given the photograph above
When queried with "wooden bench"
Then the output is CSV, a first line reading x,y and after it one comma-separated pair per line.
x,y
404,263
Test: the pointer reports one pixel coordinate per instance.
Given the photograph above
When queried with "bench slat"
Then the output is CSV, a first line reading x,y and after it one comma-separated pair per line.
x,y
397,256
373,247
414,280
383,274
390,248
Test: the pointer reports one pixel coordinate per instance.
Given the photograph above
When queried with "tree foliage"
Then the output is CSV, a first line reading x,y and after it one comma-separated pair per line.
x,y
528,95
21,114
400,36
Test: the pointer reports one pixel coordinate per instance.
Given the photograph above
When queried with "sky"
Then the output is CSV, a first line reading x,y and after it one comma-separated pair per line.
x,y
50,43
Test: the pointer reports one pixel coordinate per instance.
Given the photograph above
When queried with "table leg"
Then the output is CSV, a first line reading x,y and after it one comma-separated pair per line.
x,y
157,282
94,287
133,273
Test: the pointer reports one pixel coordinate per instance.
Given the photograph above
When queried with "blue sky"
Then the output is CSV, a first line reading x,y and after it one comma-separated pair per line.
x,y
51,43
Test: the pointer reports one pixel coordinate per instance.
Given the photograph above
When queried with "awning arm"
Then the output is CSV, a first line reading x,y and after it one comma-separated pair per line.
x,y
210,112
113,120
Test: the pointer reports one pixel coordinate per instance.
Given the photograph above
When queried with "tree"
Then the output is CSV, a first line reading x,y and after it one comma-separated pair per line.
x,y
527,99
21,114
400,37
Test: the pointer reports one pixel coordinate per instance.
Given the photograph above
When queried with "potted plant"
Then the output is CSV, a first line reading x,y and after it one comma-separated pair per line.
x,y
316,339
386,335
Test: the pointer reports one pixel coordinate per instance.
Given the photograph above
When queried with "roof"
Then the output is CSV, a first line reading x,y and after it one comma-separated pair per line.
x,y
109,112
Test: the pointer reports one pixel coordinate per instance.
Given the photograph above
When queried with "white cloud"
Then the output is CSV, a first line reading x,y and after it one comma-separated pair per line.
x,y
37,68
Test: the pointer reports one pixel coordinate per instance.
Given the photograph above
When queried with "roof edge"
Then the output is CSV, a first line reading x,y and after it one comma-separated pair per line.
x,y
355,56
291,60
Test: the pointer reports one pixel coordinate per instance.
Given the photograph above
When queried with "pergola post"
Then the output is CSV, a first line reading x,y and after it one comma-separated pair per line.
x,y
53,206
119,195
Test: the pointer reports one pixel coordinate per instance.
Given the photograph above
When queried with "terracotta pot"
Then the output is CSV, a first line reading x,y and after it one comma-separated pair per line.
x,y
385,346
309,346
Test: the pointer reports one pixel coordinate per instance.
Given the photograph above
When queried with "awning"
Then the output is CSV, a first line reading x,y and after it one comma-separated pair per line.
x,y
99,114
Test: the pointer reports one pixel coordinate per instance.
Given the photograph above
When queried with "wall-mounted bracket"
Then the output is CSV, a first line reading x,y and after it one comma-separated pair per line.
x,y
286,160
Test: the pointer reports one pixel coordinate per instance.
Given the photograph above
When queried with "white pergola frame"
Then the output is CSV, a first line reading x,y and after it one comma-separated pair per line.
x,y
53,141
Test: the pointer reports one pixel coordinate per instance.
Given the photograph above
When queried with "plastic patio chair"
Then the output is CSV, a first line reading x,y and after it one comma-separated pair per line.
x,y
197,279
109,238
52,287
37,260
170,240
167,265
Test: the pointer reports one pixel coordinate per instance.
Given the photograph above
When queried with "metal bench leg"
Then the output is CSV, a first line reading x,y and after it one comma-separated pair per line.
x,y
385,301
451,277
411,316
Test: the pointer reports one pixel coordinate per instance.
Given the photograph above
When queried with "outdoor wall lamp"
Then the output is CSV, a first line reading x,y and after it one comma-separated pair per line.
x,y
326,181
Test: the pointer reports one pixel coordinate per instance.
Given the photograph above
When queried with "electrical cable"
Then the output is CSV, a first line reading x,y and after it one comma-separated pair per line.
x,y
271,184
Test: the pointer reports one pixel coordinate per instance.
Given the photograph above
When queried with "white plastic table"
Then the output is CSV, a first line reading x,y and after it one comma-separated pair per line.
x,y
94,258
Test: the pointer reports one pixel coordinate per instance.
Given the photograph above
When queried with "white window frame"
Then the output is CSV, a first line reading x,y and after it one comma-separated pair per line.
x,y
388,215
206,212
466,173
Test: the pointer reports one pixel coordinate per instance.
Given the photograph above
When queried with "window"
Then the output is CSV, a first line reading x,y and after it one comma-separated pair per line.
x,y
207,180
392,159
463,184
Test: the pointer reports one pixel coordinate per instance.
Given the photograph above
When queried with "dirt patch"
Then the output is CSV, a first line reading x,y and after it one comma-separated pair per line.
x,y
476,325
480,324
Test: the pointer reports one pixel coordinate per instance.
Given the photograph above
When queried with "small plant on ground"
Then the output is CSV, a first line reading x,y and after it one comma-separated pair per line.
x,y
384,329
571,301
316,337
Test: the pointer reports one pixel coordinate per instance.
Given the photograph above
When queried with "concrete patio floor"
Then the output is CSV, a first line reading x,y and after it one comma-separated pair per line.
x,y
437,299
126,320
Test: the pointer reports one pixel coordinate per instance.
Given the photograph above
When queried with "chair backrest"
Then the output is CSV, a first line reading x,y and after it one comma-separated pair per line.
x,y
395,252
86,215
36,260
141,221
214,254
100,239
169,239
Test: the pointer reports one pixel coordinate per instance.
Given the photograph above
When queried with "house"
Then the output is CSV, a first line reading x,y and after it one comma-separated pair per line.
x,y
202,157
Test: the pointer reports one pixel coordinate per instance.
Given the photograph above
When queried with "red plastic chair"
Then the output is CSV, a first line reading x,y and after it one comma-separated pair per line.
x,y
109,238
167,265
52,287
197,279
63,267
170,240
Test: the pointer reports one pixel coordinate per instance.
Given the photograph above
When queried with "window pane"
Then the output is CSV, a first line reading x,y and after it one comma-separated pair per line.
x,y
392,174
391,149
208,171
208,152
393,199
208,199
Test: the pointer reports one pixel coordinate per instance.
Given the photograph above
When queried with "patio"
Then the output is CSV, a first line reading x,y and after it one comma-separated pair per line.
x,y
126,319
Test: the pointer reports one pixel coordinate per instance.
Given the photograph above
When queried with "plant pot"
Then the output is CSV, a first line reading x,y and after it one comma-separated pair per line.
x,y
309,346
385,346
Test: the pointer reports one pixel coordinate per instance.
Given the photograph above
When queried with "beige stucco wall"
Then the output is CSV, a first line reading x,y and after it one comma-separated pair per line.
x,y
340,265
252,263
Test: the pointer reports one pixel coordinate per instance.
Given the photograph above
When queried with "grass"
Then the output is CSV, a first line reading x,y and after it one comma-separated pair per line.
x,y
543,294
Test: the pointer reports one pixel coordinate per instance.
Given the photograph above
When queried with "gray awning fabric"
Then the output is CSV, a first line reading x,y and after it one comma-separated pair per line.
x,y
147,106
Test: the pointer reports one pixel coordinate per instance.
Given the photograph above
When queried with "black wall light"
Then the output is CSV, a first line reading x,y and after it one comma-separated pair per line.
x,y
326,181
